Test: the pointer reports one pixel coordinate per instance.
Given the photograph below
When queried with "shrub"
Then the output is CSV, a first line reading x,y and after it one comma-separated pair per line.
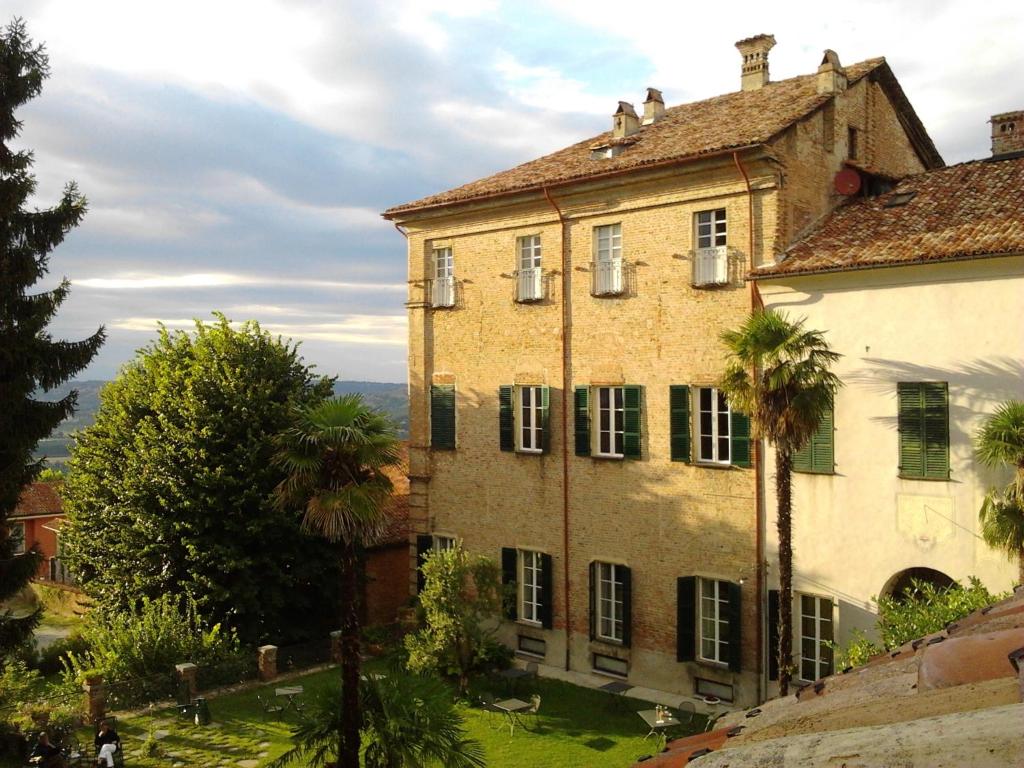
x,y
927,608
136,650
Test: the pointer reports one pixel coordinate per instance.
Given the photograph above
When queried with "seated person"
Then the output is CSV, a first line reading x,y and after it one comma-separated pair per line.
x,y
46,755
107,743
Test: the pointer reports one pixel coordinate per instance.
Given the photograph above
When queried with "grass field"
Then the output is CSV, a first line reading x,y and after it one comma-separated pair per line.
x,y
575,727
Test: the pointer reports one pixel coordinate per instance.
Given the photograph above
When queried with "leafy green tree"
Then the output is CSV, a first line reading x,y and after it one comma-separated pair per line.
x,y
460,596
779,374
171,490
999,443
336,455
409,721
30,359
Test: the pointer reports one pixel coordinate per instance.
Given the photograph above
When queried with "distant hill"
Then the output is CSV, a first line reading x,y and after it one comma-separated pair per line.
x,y
392,399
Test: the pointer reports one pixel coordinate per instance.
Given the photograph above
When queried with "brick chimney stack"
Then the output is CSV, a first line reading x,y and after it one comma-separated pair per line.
x,y
625,121
754,50
654,106
1007,133
831,75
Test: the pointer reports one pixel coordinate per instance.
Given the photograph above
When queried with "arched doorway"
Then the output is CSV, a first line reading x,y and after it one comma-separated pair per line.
x,y
898,586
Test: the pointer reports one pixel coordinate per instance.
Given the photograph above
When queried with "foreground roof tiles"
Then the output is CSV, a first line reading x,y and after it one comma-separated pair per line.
x,y
731,121
964,211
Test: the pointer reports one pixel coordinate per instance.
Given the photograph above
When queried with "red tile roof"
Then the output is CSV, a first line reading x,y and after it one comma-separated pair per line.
x,y
732,121
38,499
965,211
397,509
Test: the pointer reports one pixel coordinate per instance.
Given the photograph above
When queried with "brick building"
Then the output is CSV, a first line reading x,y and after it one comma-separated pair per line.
x,y
564,321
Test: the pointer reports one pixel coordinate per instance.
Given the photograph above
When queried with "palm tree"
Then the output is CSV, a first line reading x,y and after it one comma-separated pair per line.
x,y
409,721
1000,442
779,374
335,456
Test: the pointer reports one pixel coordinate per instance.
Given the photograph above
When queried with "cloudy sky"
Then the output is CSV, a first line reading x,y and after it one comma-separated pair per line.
x,y
236,155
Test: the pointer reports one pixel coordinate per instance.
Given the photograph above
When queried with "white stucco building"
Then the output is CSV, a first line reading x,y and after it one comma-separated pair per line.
x,y
921,290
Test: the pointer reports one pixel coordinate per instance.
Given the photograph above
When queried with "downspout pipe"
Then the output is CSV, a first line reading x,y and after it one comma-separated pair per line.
x,y
755,305
566,361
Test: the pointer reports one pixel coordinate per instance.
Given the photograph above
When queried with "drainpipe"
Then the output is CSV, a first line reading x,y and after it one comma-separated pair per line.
x,y
755,305
566,319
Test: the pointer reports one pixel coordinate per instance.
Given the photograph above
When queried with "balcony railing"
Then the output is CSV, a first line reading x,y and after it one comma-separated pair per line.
x,y
711,266
608,277
530,284
442,292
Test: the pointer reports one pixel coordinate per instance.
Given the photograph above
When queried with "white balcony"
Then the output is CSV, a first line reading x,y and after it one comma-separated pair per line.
x,y
711,266
442,292
530,284
608,279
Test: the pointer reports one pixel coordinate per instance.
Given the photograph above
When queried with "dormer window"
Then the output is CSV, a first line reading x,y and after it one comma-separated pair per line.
x,y
603,153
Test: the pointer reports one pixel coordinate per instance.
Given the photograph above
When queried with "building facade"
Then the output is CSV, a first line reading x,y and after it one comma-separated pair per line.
x,y
564,321
920,290
36,522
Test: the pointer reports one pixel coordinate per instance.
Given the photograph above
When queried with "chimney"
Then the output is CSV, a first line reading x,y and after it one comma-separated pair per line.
x,y
624,121
654,106
831,75
754,50
1007,133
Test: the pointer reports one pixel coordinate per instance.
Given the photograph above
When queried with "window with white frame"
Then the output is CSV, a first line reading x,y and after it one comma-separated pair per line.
x,y
611,423
443,285
607,259
530,598
816,635
714,621
441,543
711,229
609,602
18,536
530,412
713,418
528,274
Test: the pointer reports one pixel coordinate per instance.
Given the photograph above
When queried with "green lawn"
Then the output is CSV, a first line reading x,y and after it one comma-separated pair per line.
x,y
576,726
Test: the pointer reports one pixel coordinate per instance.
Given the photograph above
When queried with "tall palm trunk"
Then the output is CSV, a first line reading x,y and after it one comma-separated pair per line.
x,y
1020,566
351,721
784,493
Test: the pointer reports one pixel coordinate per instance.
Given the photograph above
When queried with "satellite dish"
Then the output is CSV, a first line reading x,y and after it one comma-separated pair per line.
x,y
847,182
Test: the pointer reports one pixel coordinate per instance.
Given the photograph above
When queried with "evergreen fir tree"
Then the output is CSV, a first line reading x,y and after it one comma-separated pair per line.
x,y
30,359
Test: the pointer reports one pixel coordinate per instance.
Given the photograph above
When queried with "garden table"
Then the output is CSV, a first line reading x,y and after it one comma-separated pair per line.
x,y
650,716
511,709
291,692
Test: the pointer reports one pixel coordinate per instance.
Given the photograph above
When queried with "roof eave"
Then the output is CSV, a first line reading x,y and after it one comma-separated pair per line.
x,y
918,261
394,214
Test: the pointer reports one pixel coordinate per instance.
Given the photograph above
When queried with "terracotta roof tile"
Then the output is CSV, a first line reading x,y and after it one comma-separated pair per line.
x,y
964,211
397,510
730,121
38,499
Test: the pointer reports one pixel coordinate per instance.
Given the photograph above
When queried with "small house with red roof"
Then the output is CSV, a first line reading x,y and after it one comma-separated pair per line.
x,y
36,522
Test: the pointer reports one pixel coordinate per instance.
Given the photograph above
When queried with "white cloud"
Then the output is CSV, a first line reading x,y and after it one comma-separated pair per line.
x,y
134,282
388,330
547,88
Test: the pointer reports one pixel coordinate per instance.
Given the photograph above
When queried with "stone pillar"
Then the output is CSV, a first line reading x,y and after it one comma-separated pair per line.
x,y
96,697
187,679
336,652
267,662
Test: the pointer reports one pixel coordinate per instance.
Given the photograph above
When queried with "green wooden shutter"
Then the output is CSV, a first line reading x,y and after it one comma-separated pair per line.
x,y
582,410
679,422
735,612
626,580
923,410
686,618
936,430
424,544
632,420
547,595
509,580
442,417
773,634
506,419
818,454
593,600
545,419
739,439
